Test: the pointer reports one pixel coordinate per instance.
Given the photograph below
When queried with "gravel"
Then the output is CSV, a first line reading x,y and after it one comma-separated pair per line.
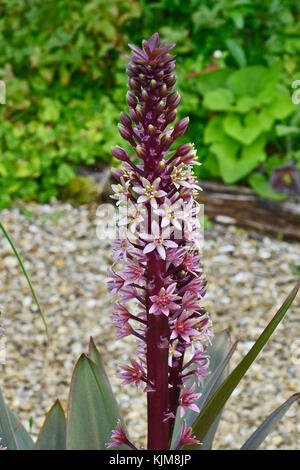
x,y
249,275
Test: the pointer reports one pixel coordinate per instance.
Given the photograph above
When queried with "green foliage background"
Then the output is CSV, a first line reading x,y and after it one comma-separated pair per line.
x,y
63,63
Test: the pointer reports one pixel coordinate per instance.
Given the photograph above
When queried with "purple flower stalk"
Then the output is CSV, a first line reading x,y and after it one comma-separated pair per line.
x,y
157,247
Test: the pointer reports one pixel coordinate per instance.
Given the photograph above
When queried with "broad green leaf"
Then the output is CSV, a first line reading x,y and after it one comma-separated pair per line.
x,y
237,52
213,407
254,81
213,132
7,432
52,436
212,80
23,438
234,167
243,129
25,274
219,352
281,107
268,425
92,409
261,186
244,104
220,99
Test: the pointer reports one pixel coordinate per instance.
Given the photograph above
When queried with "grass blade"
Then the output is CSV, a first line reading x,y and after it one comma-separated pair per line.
x,y
25,274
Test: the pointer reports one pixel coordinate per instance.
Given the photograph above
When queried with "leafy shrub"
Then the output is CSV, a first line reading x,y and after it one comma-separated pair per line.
x,y
56,62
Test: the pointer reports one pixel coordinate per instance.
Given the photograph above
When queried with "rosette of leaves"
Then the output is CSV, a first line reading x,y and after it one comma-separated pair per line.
x,y
245,106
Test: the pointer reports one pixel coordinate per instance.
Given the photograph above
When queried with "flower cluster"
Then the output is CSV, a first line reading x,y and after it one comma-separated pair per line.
x,y
158,246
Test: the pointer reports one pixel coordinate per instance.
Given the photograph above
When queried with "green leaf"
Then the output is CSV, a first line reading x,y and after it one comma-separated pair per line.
x,y
243,129
92,409
268,425
212,80
52,436
281,107
261,186
213,407
220,353
234,167
25,274
237,52
282,130
220,99
23,438
256,81
7,432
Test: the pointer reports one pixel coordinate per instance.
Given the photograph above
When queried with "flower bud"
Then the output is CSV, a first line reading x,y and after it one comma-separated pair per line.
x,y
171,116
151,129
125,132
120,153
139,112
184,149
180,127
153,84
166,140
134,84
170,81
160,107
117,173
145,95
133,115
173,99
125,119
131,99
141,152
163,91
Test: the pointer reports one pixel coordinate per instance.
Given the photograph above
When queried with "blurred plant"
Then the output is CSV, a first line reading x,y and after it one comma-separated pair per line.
x,y
62,98
171,319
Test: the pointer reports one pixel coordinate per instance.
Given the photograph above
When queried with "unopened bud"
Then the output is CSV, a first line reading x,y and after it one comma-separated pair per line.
x,y
153,84
160,106
161,165
131,99
166,140
120,153
141,152
124,132
125,119
117,173
139,112
163,91
170,81
184,149
151,129
171,116
145,95
133,115
134,85
173,99
180,127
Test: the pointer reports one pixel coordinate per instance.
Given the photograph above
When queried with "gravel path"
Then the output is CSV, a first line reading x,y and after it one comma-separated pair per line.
x,y
248,277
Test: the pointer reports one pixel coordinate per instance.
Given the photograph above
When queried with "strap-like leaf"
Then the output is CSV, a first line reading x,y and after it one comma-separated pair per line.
x,y
268,425
219,352
25,274
52,436
213,407
6,428
23,438
92,409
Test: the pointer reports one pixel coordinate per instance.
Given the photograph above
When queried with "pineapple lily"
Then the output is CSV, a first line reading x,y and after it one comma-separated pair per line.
x,y
157,259
156,266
